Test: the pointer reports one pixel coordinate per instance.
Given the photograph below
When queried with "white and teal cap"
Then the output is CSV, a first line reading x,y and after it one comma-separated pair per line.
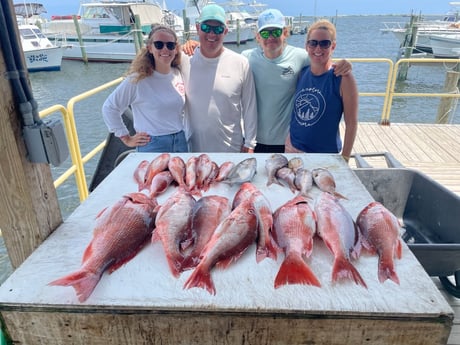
x,y
271,18
212,12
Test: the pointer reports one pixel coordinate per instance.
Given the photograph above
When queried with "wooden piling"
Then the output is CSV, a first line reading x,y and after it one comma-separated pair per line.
x,y
447,104
80,39
409,43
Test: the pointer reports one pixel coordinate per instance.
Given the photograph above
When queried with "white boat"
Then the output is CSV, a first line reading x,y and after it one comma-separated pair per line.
x,y
40,54
445,46
448,25
107,30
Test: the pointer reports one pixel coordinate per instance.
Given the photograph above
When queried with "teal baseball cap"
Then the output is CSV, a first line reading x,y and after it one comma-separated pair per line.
x,y
212,12
270,18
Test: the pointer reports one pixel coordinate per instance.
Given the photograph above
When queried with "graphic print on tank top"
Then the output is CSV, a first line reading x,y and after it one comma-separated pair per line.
x,y
309,106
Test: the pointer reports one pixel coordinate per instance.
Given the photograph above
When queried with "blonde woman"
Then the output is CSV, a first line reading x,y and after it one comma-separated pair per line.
x,y
322,98
154,89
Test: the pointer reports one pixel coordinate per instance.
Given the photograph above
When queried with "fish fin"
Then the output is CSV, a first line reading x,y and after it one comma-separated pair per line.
x,y
339,196
343,269
398,249
83,282
386,271
200,277
269,250
294,270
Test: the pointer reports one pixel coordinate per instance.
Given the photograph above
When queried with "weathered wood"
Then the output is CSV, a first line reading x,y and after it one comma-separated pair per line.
x,y
430,148
447,105
205,328
30,209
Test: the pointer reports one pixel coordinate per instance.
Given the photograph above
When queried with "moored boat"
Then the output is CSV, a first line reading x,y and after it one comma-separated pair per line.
x,y
445,46
448,25
40,54
109,31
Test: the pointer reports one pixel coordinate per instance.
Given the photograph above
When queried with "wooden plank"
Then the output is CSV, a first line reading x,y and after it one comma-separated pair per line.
x,y
206,328
30,208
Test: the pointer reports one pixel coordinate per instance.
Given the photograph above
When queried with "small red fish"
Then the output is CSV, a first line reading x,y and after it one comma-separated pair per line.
x,y
176,166
326,182
157,165
224,169
173,228
338,231
380,229
139,173
230,240
160,183
295,227
190,173
120,233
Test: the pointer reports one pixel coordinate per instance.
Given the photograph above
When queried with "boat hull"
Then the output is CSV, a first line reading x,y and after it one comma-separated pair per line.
x,y
48,59
445,46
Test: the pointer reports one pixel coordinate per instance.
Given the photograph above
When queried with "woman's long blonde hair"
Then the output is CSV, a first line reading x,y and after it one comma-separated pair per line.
x,y
144,63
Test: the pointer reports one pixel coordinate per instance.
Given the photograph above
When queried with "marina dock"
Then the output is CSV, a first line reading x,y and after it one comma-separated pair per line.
x,y
430,148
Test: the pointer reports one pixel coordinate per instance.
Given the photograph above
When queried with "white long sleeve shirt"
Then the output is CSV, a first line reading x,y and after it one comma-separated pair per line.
x,y
221,107
157,103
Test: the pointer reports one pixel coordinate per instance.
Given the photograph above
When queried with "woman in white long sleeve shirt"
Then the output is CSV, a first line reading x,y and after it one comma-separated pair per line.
x,y
154,89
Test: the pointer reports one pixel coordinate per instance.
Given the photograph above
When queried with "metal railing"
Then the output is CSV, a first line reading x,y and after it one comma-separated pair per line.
x,y
78,161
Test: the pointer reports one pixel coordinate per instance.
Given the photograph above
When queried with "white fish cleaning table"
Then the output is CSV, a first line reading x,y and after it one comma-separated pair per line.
x,y
142,303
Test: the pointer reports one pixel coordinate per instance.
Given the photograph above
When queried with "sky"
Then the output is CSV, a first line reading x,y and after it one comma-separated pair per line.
x,y
298,7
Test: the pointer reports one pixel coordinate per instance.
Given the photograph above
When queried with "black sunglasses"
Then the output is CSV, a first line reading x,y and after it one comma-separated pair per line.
x,y
159,45
218,29
265,34
323,44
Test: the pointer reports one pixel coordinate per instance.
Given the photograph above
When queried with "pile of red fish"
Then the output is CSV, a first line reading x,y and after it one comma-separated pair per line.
x,y
200,232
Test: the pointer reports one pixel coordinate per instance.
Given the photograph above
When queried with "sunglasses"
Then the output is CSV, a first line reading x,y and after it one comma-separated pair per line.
x,y
159,45
265,34
218,30
323,44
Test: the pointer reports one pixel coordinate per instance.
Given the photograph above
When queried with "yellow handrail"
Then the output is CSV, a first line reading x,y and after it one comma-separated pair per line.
x,y
78,161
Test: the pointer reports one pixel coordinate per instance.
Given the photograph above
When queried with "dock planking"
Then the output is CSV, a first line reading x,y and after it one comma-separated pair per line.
x,y
430,148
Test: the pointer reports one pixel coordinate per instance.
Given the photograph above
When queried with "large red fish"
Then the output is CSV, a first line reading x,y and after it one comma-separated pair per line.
x,y
173,228
380,229
266,247
208,212
295,226
230,240
338,231
120,233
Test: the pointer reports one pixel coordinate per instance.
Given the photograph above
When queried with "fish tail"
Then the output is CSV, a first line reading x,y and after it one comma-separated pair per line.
x,y
386,271
83,282
294,270
343,269
200,277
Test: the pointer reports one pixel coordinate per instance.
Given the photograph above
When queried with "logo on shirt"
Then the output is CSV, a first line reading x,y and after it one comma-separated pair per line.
x,y
180,88
287,71
309,106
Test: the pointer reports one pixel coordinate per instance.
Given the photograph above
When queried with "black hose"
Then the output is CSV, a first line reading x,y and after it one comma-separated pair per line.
x,y
16,69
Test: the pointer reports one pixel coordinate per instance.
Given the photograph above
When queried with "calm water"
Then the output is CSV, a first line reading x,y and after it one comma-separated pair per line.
x,y
358,37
